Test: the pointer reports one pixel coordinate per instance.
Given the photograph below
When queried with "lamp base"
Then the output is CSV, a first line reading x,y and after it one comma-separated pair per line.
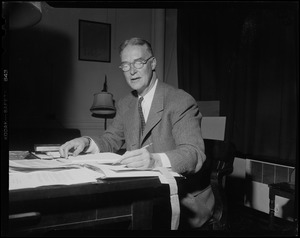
x,y
105,116
111,115
102,111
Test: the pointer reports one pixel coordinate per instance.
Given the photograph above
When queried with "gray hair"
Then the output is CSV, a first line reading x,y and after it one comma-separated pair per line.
x,y
135,41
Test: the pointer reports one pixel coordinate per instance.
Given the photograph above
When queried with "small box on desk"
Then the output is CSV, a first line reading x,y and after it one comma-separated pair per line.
x,y
46,147
46,151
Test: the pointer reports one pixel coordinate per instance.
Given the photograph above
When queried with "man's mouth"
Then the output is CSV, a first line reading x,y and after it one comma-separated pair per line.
x,y
134,79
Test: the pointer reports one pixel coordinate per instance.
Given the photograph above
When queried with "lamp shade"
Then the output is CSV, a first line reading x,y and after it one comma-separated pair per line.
x,y
23,14
103,104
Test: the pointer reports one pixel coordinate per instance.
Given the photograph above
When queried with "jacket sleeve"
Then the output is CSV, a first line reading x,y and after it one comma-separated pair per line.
x,y
189,156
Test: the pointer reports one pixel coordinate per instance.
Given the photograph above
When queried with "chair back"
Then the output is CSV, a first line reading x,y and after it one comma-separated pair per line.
x,y
220,154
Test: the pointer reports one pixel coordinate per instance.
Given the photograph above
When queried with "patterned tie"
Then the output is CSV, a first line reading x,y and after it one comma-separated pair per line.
x,y
141,114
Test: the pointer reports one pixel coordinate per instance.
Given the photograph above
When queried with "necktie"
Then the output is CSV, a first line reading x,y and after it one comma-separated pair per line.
x,y
141,114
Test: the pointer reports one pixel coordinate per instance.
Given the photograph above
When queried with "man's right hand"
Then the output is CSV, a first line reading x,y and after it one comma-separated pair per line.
x,y
77,144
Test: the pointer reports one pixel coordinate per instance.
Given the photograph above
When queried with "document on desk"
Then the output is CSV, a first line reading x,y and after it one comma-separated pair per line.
x,y
35,173
30,173
29,165
105,162
120,171
60,163
45,178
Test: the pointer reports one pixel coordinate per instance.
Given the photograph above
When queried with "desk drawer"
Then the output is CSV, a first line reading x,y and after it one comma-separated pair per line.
x,y
37,221
83,229
112,205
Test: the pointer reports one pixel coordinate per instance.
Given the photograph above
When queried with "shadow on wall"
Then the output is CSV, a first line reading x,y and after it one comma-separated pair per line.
x,y
40,73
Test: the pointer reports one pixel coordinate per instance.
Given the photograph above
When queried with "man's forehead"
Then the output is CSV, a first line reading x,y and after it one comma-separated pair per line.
x,y
133,52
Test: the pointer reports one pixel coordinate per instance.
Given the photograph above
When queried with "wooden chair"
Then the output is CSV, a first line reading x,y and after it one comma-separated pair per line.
x,y
221,154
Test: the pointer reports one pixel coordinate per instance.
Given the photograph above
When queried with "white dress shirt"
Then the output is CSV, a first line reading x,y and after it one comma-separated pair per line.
x,y
146,105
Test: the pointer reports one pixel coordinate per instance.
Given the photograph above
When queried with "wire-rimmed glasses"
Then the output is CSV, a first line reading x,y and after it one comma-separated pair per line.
x,y
137,64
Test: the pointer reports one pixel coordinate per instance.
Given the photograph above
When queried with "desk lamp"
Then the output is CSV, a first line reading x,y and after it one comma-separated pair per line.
x,y
103,104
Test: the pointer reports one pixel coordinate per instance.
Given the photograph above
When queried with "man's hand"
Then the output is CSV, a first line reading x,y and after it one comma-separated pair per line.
x,y
140,159
78,145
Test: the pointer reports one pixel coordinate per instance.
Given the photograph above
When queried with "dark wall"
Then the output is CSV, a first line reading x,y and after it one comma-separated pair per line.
x,y
246,56
35,94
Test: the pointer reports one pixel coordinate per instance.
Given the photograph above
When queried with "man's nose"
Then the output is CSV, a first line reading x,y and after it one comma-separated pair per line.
x,y
132,69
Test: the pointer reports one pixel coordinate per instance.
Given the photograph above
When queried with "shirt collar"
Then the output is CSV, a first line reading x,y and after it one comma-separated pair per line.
x,y
150,94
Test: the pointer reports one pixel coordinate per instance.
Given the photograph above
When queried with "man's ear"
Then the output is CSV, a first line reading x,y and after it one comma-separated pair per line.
x,y
153,63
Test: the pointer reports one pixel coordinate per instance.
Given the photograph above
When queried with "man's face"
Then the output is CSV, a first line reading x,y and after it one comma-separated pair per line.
x,y
138,79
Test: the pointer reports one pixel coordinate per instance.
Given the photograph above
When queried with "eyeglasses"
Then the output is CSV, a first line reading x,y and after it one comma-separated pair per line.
x,y
138,64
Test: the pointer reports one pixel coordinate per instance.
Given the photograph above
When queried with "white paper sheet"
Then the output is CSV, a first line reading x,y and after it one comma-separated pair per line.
x,y
174,199
28,173
46,178
37,164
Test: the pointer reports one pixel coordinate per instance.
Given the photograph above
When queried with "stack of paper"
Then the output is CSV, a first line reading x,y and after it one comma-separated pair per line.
x,y
46,178
35,173
80,169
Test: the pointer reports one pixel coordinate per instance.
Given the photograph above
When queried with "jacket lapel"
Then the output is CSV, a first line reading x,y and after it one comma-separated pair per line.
x,y
156,110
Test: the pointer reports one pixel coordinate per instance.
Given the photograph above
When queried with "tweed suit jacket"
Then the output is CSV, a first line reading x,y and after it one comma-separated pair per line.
x,y
173,128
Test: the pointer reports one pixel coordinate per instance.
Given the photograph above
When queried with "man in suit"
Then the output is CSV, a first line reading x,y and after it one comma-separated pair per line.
x,y
171,128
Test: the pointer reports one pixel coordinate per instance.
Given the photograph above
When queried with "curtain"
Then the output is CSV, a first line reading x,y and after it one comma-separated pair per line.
x,y
247,58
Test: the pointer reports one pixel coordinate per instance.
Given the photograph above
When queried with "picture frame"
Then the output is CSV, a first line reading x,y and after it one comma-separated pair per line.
x,y
94,41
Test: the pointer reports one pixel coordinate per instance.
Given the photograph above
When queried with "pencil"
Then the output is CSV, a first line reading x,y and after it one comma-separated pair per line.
x,y
146,146
118,161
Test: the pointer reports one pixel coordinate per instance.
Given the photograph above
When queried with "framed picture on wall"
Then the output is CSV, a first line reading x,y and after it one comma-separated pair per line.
x,y
94,41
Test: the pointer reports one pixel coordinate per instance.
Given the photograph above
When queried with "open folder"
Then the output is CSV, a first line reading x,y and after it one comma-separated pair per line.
x,y
31,173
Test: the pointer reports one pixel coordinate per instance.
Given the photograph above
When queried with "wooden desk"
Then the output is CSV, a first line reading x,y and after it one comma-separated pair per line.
x,y
109,204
